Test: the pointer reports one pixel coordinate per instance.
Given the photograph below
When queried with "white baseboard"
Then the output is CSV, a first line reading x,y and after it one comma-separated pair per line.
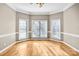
x,y
7,47
70,46
67,45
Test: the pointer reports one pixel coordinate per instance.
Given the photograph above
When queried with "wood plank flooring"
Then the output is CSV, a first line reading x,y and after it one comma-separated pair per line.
x,y
41,48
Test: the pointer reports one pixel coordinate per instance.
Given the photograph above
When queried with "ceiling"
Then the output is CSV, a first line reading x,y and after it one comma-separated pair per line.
x,y
48,8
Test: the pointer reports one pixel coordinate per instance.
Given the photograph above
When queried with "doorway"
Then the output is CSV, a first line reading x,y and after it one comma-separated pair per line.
x,y
39,29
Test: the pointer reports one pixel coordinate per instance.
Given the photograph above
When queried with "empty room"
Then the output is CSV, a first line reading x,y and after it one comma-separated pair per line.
x,y
39,29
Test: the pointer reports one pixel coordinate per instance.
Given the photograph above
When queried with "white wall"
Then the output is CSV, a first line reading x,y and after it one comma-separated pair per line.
x,y
7,26
71,25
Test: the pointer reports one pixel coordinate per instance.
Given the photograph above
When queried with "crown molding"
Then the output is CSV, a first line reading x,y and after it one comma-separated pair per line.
x,y
41,13
54,12
57,11
68,6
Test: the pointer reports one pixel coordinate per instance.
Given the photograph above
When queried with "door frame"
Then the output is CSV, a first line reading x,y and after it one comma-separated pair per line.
x,y
39,37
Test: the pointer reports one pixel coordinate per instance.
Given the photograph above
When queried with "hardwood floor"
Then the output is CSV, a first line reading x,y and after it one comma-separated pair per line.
x,y
41,48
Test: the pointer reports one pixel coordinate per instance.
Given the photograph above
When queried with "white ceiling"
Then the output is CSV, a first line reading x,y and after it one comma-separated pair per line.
x,y
48,8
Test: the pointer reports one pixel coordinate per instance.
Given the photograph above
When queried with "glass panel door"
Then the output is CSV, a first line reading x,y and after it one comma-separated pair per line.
x,y
55,29
39,28
23,29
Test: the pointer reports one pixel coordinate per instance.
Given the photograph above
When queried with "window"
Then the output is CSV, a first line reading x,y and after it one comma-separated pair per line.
x,y
39,28
23,29
55,29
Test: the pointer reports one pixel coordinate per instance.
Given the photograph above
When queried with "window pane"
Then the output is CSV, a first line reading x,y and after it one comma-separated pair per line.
x,y
39,28
23,29
55,28
35,28
43,29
